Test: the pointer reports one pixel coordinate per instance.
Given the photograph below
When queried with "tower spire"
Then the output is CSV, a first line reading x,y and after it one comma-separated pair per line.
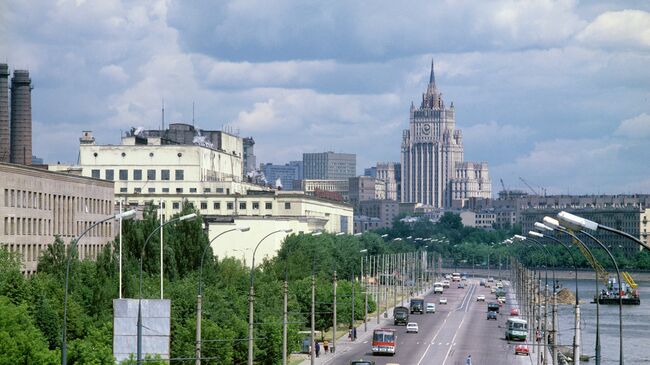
x,y
432,76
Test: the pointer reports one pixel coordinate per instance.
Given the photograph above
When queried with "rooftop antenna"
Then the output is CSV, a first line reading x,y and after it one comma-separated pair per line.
x,y
163,116
192,113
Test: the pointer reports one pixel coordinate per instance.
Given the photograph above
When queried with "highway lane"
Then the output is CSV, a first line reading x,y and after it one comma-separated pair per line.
x,y
448,336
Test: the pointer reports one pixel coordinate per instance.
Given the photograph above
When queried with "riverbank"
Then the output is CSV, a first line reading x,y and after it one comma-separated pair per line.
x,y
559,274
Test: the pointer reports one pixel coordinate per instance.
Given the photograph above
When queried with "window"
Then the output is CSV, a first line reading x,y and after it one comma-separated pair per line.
x,y
151,174
152,190
256,205
124,174
192,190
179,190
204,205
137,190
216,206
207,190
164,174
268,205
165,190
137,174
219,190
179,175
242,205
94,173
287,205
123,190
229,205
175,205
109,175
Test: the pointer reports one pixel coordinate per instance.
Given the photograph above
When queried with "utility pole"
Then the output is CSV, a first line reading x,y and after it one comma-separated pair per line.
x,y
365,310
198,330
334,320
284,318
377,287
312,350
352,318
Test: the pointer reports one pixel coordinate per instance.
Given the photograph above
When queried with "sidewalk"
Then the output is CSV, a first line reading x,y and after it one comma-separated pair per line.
x,y
344,344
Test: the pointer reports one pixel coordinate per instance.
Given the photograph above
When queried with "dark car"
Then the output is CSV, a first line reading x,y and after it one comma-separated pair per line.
x,y
461,286
492,315
362,362
493,307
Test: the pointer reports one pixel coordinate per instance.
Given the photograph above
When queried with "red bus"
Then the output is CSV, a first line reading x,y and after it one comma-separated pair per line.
x,y
384,341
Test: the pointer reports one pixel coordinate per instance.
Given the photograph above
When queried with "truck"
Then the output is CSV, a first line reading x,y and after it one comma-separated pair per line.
x,y
417,305
400,316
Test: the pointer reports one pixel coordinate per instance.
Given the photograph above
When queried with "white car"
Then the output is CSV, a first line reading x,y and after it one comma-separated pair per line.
x,y
493,290
412,327
445,283
443,300
431,308
438,289
480,298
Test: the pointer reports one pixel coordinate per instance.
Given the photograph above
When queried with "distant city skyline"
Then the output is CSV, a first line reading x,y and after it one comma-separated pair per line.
x,y
555,92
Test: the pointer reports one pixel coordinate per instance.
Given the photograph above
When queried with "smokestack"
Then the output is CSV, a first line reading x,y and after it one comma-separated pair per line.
x,y
4,112
21,118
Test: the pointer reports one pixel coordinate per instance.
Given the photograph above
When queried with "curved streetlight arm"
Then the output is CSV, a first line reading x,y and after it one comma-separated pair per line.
x,y
124,215
242,229
258,245
580,222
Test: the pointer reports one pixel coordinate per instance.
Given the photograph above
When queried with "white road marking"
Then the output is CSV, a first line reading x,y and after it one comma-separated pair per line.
x,y
433,339
453,340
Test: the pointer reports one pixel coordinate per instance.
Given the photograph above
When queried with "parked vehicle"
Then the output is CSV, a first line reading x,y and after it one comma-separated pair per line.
x,y
384,341
400,316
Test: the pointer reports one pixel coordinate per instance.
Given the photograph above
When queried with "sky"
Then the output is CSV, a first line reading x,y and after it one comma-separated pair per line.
x,y
554,92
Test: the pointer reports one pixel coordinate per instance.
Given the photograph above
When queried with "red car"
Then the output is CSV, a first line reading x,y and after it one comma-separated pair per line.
x,y
521,349
514,311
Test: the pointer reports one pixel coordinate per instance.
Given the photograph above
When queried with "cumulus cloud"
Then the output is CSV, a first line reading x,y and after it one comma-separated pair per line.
x,y
114,73
629,29
637,127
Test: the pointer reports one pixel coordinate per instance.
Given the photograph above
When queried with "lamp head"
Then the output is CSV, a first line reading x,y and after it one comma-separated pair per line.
x,y
126,215
339,233
288,230
535,234
188,217
518,237
553,223
358,234
384,235
575,221
397,239
243,229
542,227
364,250
317,233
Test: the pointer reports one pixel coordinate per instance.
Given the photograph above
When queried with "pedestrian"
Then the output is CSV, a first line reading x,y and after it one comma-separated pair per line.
x,y
354,333
317,348
326,346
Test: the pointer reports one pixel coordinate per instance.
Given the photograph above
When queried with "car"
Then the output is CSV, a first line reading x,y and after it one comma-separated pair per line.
x,y
448,277
490,279
445,284
499,284
461,286
521,350
362,362
480,298
443,300
514,311
501,300
492,315
482,282
493,290
412,327
431,308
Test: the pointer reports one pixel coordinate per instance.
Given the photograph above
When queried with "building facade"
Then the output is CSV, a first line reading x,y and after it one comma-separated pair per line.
x,y
386,172
373,214
37,205
284,175
250,162
431,149
329,165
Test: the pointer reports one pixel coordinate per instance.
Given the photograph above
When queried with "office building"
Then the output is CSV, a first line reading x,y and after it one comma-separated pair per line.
x,y
37,205
329,166
250,163
432,155
282,175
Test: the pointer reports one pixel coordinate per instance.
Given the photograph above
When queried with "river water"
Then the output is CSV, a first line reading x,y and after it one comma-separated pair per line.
x,y
636,325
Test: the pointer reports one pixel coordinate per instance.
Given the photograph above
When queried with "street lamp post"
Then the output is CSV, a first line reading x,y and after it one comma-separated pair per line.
x,y
187,217
251,296
64,341
199,301
365,282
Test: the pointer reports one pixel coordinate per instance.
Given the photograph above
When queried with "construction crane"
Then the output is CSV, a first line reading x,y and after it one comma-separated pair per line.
x,y
505,191
529,187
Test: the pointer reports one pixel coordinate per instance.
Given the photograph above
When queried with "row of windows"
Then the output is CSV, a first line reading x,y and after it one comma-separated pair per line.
x,y
231,205
15,226
15,198
176,190
31,252
123,174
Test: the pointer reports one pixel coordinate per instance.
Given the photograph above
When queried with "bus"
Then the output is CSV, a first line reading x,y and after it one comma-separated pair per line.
x,y
384,341
516,329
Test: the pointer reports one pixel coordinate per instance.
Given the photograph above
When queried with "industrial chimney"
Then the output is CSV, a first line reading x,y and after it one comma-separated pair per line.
x,y
4,112
21,118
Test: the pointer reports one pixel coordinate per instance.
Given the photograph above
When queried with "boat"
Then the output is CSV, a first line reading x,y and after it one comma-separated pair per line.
x,y
628,292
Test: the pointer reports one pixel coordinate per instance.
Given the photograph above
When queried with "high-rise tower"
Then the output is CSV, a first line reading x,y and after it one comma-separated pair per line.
x,y
4,113
432,154
21,118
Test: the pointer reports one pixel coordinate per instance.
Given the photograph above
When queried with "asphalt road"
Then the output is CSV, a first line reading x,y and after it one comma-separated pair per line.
x,y
446,337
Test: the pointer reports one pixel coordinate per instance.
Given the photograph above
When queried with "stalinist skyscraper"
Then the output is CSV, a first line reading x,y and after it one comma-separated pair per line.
x,y
433,171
